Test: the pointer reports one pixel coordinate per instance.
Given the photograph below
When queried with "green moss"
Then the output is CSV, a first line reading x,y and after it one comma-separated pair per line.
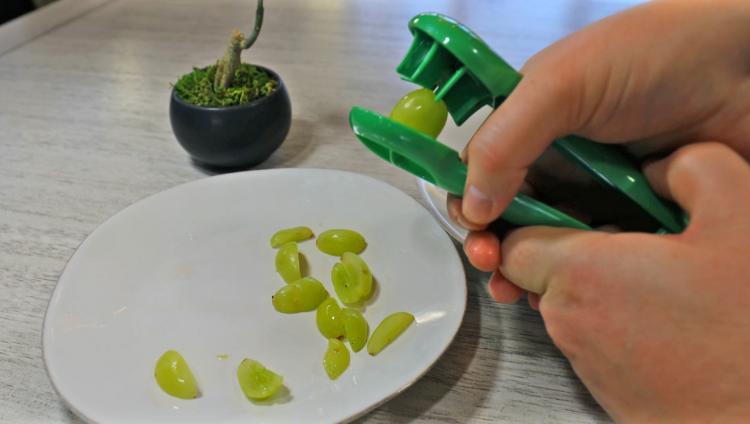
x,y
249,83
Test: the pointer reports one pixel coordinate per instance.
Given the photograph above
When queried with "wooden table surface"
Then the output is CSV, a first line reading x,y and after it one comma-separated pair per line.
x,y
84,132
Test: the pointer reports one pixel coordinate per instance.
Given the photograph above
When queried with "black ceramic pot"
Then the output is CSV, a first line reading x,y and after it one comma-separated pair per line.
x,y
235,136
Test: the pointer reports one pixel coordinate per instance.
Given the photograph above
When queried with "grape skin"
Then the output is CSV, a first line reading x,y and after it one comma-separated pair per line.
x,y
288,262
336,359
329,319
419,110
337,241
174,376
287,235
303,295
388,330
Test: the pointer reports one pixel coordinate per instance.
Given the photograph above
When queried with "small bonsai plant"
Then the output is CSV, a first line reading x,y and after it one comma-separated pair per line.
x,y
218,112
229,82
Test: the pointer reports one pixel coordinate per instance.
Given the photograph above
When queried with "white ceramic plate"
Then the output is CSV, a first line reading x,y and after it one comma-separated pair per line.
x,y
191,269
436,200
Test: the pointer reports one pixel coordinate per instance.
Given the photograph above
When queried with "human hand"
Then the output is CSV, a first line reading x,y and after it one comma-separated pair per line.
x,y
656,326
656,76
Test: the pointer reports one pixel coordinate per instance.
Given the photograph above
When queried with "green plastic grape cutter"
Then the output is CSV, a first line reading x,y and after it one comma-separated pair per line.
x,y
466,74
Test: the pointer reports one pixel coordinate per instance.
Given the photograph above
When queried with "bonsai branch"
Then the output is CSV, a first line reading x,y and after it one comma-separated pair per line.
x,y
228,65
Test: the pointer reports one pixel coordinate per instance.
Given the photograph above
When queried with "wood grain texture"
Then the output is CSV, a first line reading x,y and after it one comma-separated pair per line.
x,y
85,133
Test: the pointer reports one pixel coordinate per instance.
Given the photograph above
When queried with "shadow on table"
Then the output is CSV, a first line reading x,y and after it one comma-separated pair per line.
x,y
295,148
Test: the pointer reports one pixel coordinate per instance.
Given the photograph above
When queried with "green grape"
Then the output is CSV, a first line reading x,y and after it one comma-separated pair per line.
x,y
303,295
388,330
288,262
336,242
358,272
329,320
419,110
174,376
355,328
351,279
342,285
336,359
286,235
256,381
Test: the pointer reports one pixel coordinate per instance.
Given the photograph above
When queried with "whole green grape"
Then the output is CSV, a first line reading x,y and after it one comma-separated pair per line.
x,y
336,359
174,376
337,241
388,330
288,262
286,235
352,279
256,381
419,110
303,295
329,320
356,328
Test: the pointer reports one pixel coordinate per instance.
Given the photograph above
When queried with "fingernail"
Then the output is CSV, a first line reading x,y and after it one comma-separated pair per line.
x,y
468,225
477,206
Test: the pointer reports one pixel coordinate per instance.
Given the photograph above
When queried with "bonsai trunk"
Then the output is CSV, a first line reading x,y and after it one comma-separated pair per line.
x,y
230,62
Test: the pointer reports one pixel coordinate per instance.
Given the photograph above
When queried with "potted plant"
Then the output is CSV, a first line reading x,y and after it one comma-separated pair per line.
x,y
232,114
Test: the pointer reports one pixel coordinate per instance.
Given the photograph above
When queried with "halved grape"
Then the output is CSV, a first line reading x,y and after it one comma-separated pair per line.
x,y
300,296
288,262
336,359
351,279
174,376
286,235
357,270
388,330
256,381
336,242
329,320
355,328
342,285
419,110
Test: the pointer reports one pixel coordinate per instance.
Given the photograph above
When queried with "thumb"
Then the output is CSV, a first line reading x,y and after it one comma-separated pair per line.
x,y
510,140
534,257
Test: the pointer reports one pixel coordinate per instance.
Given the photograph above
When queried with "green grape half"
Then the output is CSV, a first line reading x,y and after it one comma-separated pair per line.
x,y
419,110
174,376
336,242
286,235
352,279
388,330
358,272
356,328
288,262
342,285
336,359
256,381
329,320
303,295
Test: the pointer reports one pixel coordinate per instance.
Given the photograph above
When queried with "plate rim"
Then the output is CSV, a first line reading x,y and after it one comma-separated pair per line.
x,y
53,299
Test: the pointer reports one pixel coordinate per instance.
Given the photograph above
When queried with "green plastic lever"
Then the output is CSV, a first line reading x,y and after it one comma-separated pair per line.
x,y
438,164
449,58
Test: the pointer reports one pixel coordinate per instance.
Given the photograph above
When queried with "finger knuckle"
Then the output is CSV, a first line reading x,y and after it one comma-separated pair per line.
x,y
694,157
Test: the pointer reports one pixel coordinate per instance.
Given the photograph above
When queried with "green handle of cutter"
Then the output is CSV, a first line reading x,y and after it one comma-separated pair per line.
x,y
469,75
437,163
